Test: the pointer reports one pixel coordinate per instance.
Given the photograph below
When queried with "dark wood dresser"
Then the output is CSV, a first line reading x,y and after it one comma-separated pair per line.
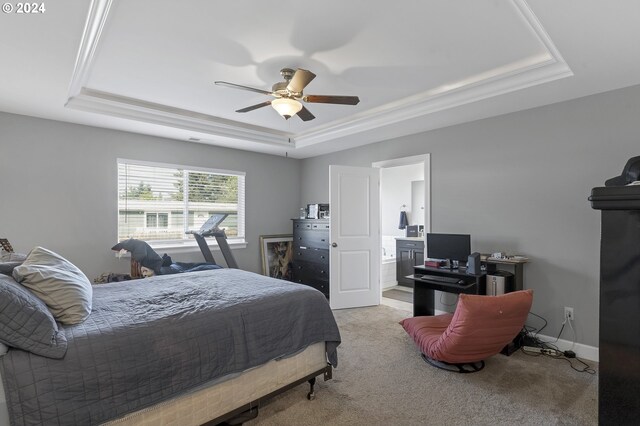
x,y
311,253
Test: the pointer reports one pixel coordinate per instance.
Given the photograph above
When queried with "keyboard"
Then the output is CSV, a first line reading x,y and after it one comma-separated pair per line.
x,y
441,279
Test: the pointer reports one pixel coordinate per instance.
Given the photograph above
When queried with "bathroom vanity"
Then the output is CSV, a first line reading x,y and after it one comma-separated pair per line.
x,y
409,253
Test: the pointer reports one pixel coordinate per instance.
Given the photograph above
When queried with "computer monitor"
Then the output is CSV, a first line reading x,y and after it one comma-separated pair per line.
x,y
449,246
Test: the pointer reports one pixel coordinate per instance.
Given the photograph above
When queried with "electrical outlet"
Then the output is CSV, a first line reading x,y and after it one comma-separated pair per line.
x,y
568,313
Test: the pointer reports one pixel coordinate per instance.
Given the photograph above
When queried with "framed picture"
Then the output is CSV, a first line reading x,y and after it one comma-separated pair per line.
x,y
277,254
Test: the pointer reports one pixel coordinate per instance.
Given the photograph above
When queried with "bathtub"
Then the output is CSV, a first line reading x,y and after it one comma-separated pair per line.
x,y
388,266
388,248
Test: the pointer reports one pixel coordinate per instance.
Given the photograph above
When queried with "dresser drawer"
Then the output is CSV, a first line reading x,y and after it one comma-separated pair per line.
x,y
301,225
320,226
319,284
311,271
322,285
311,238
310,224
311,255
410,244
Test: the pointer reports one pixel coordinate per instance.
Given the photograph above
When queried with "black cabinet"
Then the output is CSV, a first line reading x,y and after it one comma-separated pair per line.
x,y
619,375
311,253
409,253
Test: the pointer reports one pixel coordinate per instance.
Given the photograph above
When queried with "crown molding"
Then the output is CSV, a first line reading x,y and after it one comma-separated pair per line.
x,y
148,112
93,27
533,71
430,102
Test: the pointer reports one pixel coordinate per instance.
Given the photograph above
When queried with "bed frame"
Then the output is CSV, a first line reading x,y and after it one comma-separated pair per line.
x,y
237,397
250,410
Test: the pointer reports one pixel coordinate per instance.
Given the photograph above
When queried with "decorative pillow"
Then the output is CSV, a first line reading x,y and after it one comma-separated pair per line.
x,y
26,323
6,268
58,283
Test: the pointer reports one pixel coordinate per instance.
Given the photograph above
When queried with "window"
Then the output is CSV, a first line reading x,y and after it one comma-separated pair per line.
x,y
157,220
159,202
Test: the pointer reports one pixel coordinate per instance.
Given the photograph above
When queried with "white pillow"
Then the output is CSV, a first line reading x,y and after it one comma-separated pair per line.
x,y
58,283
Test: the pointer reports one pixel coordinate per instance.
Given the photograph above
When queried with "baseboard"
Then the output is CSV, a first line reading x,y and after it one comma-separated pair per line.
x,y
591,353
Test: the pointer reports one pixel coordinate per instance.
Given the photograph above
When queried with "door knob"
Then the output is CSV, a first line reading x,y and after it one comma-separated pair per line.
x,y
334,244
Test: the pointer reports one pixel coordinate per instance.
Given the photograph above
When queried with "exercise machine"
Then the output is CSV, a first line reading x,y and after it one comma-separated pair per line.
x,y
210,229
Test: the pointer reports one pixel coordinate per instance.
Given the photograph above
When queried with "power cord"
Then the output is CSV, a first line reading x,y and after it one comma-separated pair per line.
x,y
543,327
573,330
537,347
557,354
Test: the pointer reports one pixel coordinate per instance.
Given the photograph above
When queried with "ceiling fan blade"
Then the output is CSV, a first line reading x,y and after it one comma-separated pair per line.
x,y
256,106
305,114
330,99
300,80
238,86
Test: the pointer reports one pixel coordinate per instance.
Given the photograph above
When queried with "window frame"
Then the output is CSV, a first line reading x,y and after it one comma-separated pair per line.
x,y
184,245
157,216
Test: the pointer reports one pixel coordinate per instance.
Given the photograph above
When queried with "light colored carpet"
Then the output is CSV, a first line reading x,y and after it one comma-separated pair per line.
x,y
381,380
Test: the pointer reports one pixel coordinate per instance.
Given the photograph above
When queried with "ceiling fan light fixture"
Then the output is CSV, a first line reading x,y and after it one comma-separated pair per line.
x,y
286,107
288,95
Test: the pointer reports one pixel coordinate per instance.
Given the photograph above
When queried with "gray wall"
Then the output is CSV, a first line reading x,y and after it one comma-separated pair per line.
x,y
58,187
519,183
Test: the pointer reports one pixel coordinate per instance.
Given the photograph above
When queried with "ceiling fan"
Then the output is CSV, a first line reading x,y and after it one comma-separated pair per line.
x,y
288,94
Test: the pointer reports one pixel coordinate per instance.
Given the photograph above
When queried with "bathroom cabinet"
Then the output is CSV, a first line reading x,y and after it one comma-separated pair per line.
x,y
409,253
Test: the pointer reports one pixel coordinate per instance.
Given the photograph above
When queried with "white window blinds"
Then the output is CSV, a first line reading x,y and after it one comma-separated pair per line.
x,y
158,202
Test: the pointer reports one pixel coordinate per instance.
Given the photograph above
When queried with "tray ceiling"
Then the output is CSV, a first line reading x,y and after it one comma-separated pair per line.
x,y
149,66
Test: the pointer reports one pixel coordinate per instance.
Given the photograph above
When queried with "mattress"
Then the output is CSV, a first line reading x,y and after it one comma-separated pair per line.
x,y
220,396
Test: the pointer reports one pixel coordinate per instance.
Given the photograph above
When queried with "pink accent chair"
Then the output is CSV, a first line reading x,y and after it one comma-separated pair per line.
x,y
479,328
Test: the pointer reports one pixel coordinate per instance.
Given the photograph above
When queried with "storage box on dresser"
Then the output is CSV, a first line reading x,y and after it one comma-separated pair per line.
x,y
311,253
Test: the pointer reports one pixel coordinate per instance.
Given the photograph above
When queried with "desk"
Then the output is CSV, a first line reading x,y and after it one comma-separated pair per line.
x,y
516,262
423,291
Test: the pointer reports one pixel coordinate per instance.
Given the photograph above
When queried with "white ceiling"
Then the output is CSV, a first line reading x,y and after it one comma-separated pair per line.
x,y
148,66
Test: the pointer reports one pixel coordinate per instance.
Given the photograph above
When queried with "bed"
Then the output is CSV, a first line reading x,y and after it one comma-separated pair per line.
x,y
181,349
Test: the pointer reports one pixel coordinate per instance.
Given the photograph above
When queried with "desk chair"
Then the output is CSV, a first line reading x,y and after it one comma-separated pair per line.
x,y
479,328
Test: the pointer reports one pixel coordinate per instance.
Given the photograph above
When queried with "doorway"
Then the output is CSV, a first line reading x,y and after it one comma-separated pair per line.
x,y
405,191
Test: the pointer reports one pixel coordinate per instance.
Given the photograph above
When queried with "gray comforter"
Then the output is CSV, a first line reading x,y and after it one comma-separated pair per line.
x,y
150,340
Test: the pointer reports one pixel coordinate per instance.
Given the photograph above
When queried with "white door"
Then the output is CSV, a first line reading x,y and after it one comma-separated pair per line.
x,y
354,197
